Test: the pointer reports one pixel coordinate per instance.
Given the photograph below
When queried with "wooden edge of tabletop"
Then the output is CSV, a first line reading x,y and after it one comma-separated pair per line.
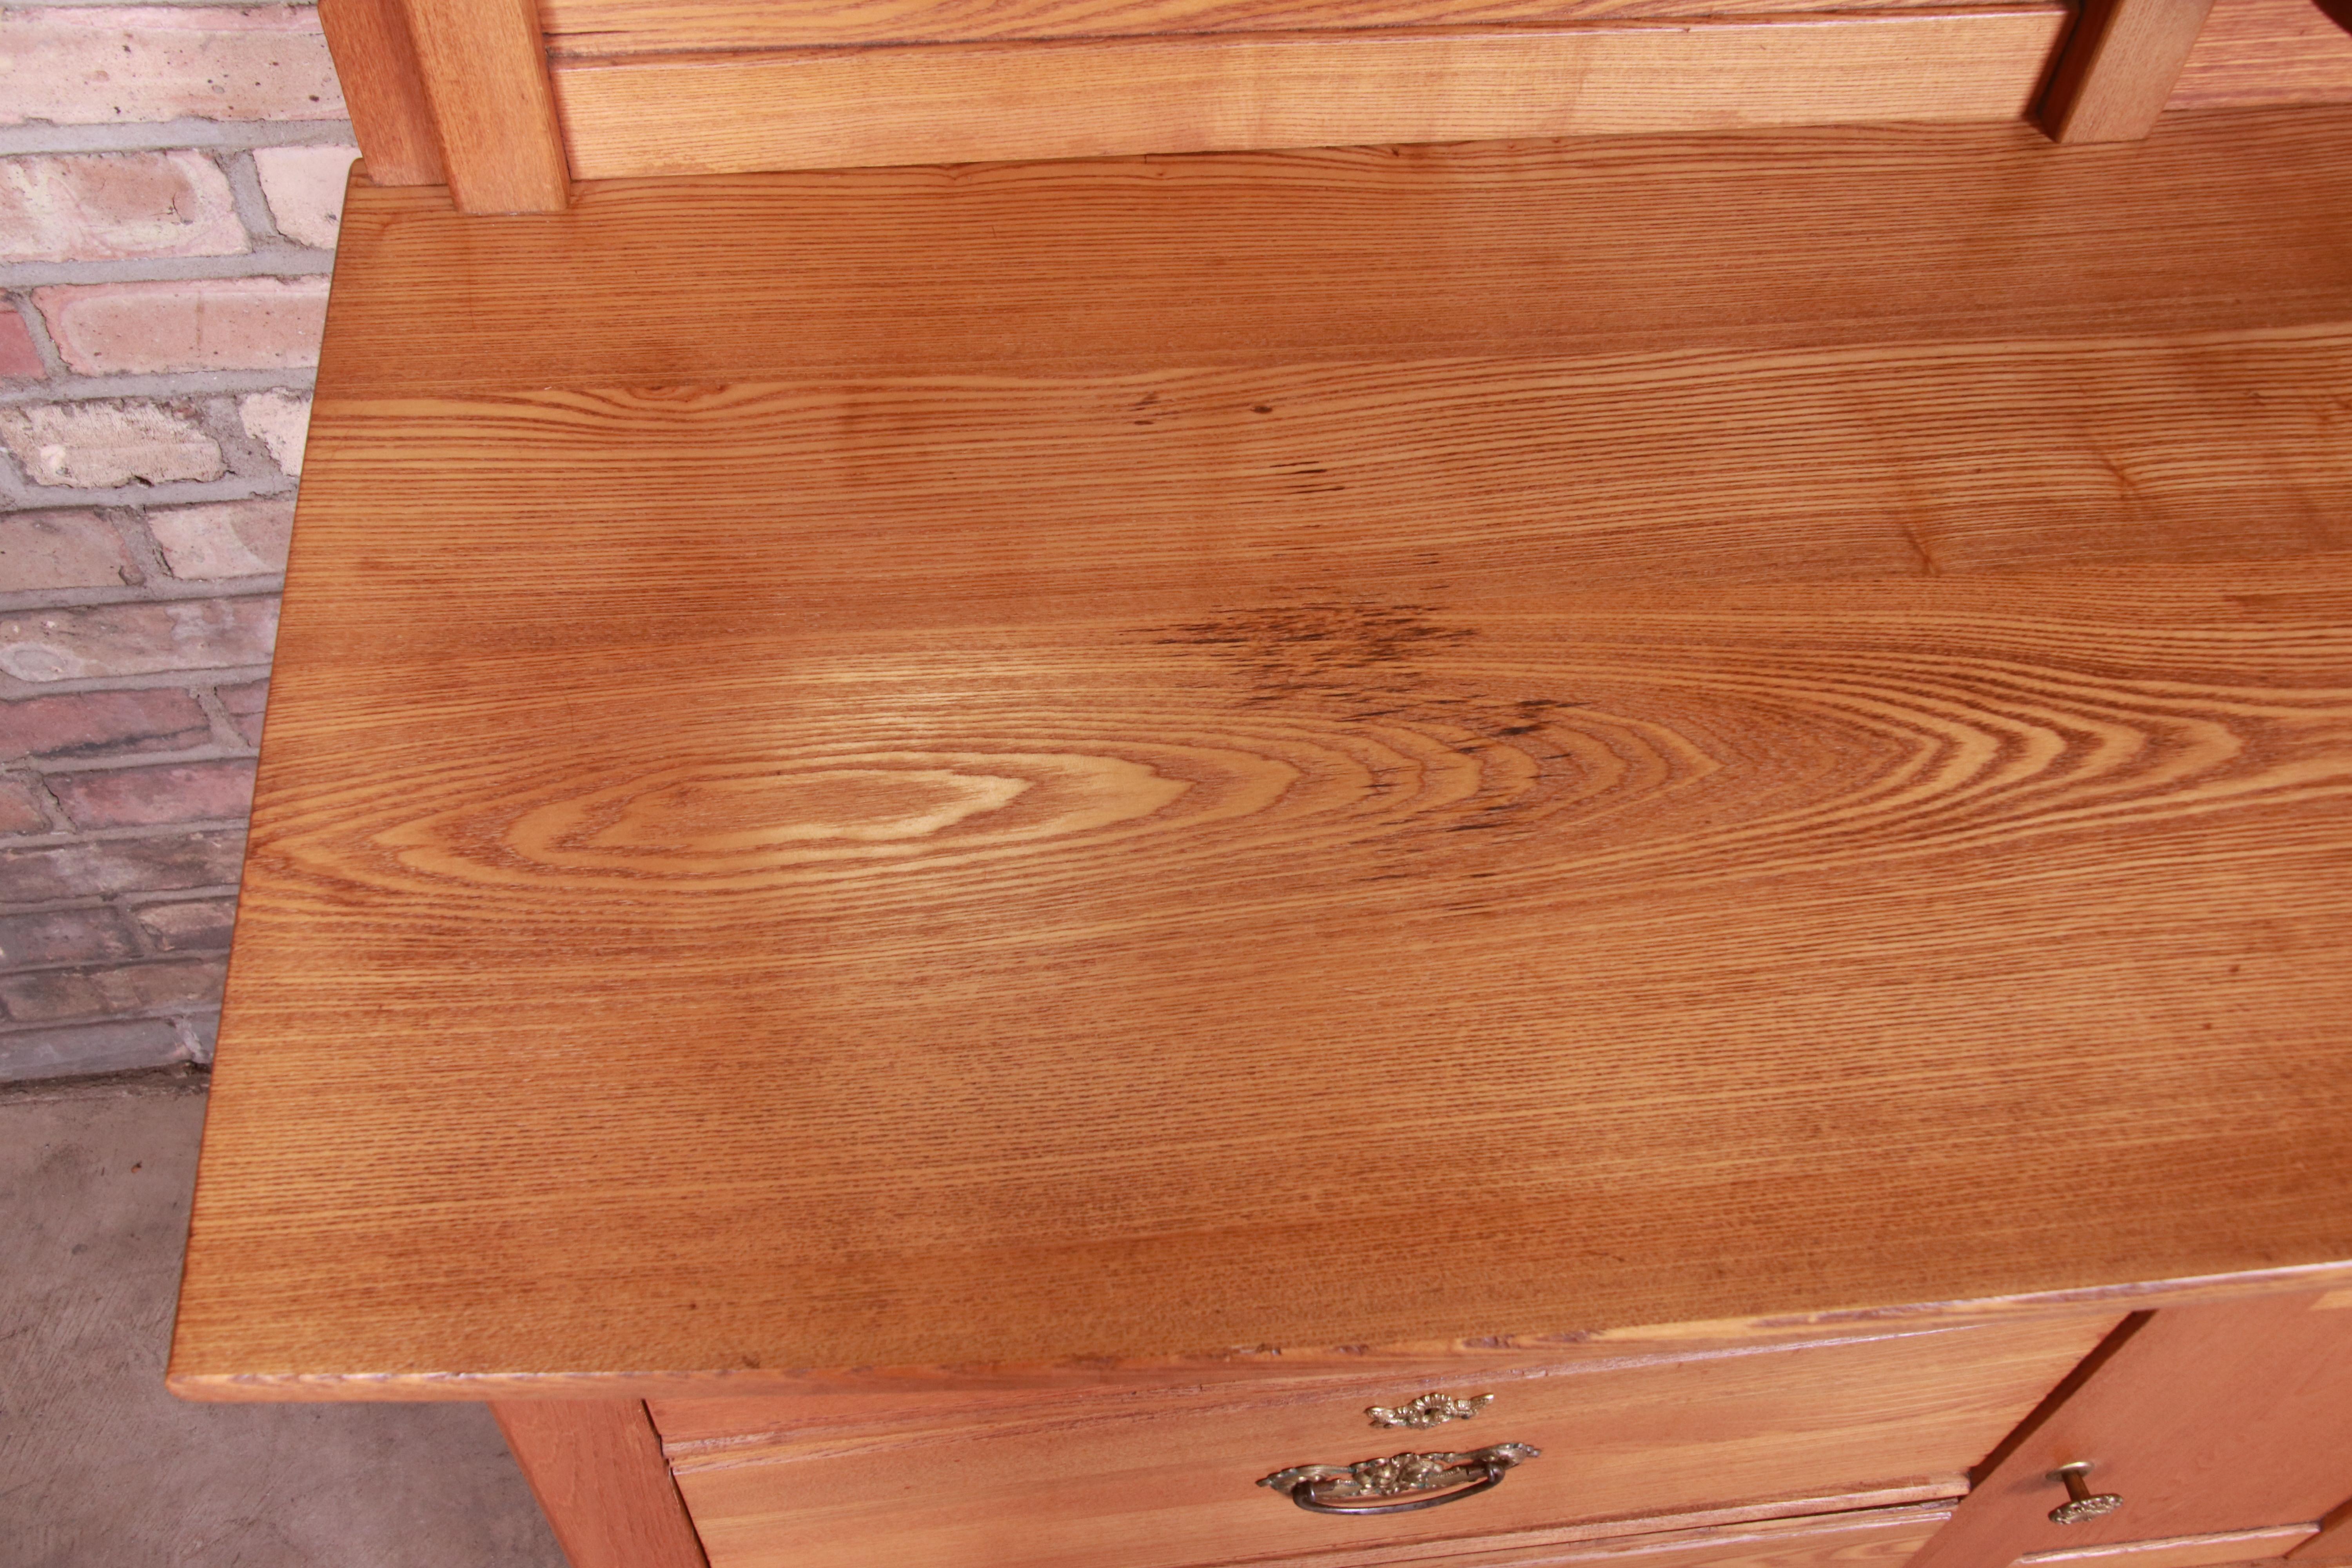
x,y
1232,1364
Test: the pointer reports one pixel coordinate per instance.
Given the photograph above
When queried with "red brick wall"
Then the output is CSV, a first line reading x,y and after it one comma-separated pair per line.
x,y
169,180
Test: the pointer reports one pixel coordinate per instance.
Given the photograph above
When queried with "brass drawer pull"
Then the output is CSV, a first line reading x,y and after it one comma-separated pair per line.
x,y
2081,1502
1333,1489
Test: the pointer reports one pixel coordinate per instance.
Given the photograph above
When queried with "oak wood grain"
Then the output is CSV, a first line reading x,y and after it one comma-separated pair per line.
x,y
1169,1482
2119,67
609,27
485,74
376,61
829,107
1206,831
598,1469
2208,1421
2269,51
2022,743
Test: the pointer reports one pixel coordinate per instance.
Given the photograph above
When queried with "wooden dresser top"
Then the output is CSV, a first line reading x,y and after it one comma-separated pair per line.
x,y
1137,758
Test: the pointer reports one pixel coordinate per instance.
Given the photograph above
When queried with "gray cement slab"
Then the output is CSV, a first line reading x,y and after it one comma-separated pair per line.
x,y
100,1469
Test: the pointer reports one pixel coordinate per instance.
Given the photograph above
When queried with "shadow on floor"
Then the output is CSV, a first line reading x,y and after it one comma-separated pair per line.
x,y
100,1469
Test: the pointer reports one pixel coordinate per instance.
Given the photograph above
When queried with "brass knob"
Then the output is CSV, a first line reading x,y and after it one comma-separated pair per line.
x,y
2081,1502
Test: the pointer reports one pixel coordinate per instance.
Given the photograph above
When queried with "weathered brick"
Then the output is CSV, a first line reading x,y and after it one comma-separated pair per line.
x,y
96,723
171,983
19,360
56,995
197,323
280,421
20,808
103,65
106,206
122,1046
46,995
100,445
162,864
244,704
62,550
231,539
66,936
304,188
100,640
200,925
150,796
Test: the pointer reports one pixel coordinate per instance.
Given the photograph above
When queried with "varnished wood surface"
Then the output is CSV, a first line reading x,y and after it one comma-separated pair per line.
x,y
831,108
1879,1538
596,1467
2234,1549
2332,1543
2206,1421
2269,51
376,61
1260,1366
485,75
1171,1482
608,28
1794,240
2121,62
1210,829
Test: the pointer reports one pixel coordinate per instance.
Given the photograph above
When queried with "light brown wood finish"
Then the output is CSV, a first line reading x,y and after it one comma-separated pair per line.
x,y
2269,51
485,75
2119,67
993,856
377,62
598,1469
605,27
830,107
2206,1420
1170,1481
1803,240
1260,1366
2224,1551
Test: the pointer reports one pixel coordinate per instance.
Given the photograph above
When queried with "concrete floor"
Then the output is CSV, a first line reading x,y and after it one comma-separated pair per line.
x,y
100,1469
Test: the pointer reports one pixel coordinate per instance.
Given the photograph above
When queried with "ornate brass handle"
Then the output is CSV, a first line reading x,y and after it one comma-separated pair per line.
x,y
2081,1502
1334,1488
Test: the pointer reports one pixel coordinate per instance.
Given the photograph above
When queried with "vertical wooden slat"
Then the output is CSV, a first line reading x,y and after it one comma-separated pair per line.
x,y
2119,67
485,72
376,63
597,1469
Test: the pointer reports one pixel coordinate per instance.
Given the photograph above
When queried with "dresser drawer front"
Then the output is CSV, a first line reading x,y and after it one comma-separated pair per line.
x,y
2206,1422
1171,1482
1879,1538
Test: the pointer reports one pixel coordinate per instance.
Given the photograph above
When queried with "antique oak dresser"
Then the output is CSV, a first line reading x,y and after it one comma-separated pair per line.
x,y
1154,784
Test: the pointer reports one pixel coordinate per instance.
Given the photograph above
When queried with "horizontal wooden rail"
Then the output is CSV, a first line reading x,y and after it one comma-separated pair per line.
x,y
950,103
605,27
